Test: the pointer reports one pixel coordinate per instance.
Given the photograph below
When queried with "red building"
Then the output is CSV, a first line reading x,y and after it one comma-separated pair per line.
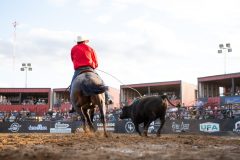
x,y
177,91
32,99
61,99
219,90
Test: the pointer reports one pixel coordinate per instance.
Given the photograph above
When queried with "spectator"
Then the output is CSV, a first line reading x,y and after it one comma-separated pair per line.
x,y
237,91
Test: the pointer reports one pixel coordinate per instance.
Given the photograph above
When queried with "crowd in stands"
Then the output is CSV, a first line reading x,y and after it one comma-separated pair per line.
x,y
25,115
237,90
180,112
59,102
34,102
204,112
14,116
4,100
55,115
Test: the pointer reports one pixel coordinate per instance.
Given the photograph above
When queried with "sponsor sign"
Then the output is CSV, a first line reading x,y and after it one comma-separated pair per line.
x,y
151,128
14,127
209,127
180,127
129,127
109,126
61,128
237,127
232,100
39,127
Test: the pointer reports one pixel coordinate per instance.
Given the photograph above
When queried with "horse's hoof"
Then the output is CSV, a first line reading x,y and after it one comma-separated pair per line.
x,y
106,135
92,130
145,133
158,135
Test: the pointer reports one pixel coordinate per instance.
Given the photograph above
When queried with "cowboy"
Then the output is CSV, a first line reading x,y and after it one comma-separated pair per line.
x,y
84,58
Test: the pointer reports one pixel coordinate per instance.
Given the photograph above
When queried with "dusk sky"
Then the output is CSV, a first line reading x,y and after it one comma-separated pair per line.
x,y
137,41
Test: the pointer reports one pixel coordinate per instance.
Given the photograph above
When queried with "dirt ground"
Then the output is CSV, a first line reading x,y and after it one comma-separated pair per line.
x,y
117,146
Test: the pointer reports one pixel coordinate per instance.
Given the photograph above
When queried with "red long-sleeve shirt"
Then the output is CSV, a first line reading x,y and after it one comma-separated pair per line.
x,y
82,55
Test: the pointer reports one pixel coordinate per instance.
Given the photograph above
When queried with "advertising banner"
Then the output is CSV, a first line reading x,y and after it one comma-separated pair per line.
x,y
25,127
61,127
204,126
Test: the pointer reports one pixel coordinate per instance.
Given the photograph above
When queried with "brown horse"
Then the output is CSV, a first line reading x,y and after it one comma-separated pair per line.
x,y
87,92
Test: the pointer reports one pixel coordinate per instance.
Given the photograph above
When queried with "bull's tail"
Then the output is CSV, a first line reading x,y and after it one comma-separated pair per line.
x,y
165,97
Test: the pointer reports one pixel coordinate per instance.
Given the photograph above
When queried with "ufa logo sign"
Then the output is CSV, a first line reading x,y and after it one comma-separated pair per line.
x,y
209,127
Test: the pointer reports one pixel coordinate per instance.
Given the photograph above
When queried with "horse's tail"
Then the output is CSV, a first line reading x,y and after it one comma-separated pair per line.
x,y
93,90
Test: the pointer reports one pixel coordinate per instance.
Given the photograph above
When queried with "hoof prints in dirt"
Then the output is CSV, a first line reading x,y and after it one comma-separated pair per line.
x,y
116,146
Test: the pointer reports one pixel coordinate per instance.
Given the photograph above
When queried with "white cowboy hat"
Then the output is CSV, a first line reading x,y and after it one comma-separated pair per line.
x,y
82,39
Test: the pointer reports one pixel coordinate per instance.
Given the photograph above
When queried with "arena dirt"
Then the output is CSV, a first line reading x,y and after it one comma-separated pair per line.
x,y
117,146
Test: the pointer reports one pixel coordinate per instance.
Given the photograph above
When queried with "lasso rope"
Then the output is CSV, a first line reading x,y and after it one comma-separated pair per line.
x,y
120,81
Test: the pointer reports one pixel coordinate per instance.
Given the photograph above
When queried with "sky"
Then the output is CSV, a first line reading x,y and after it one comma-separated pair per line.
x,y
136,41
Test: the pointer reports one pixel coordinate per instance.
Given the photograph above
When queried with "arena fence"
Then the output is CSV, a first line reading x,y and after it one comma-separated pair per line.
x,y
219,127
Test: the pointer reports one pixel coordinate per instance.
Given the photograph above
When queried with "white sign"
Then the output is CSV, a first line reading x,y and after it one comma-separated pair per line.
x,y
109,126
39,127
61,128
180,127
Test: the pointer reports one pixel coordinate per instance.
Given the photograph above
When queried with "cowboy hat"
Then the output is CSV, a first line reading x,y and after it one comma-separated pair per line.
x,y
82,39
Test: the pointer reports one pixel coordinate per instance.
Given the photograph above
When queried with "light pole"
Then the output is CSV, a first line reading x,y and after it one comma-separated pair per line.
x,y
14,48
26,67
224,49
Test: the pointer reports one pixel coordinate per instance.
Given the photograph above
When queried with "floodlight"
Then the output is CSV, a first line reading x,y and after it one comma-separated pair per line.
x,y
26,67
228,45
229,49
219,51
221,46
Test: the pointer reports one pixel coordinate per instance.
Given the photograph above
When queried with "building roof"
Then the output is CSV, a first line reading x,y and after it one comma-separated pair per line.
x,y
221,80
155,87
151,84
25,90
219,77
59,89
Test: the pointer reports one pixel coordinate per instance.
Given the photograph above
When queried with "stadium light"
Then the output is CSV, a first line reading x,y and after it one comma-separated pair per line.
x,y
224,49
26,67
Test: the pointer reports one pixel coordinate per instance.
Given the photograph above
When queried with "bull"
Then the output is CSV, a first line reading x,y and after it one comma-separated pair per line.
x,y
146,110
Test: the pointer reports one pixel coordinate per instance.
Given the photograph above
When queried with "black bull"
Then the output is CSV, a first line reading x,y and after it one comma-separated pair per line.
x,y
146,110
